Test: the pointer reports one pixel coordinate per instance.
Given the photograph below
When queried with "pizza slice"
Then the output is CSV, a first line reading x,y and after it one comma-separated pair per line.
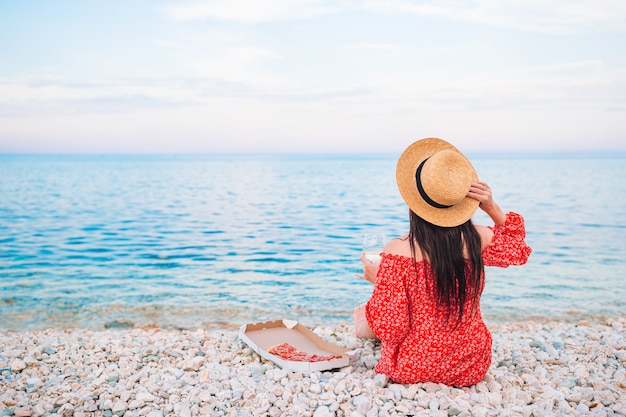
x,y
290,353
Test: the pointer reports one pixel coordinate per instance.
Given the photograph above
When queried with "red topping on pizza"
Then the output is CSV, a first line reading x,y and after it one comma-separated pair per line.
x,y
290,353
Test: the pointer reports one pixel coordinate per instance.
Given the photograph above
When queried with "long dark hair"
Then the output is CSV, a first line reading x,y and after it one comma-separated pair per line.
x,y
443,248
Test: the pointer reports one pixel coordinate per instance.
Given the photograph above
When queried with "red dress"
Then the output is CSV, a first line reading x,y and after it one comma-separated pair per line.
x,y
418,345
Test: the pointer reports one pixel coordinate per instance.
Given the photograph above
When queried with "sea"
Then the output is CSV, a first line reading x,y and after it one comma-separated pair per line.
x,y
218,241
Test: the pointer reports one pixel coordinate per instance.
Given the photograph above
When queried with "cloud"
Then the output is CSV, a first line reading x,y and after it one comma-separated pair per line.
x,y
567,67
547,16
249,11
173,45
251,54
52,96
373,46
19,98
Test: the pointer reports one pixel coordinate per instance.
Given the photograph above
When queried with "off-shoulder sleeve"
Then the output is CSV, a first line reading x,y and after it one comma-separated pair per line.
x,y
387,310
508,246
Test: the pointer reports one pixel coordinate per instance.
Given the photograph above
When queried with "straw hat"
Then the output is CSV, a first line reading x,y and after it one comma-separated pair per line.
x,y
433,178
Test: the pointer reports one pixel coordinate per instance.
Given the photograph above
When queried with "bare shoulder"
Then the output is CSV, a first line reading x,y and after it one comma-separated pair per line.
x,y
486,235
399,246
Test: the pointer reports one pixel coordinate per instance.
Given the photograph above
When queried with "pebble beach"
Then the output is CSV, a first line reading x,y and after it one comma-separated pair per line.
x,y
538,369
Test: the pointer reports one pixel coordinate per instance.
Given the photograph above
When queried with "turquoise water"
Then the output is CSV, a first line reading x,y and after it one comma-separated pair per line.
x,y
213,241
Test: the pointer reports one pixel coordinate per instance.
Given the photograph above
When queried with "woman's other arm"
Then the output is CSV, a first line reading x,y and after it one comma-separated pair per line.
x,y
370,269
504,243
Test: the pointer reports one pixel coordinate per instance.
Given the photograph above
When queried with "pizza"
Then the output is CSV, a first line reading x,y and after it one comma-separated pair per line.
x,y
290,353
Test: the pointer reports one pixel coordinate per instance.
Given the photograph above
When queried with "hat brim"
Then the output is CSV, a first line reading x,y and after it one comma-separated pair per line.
x,y
408,163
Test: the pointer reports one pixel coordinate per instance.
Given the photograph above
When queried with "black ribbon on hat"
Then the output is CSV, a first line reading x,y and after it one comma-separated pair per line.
x,y
420,188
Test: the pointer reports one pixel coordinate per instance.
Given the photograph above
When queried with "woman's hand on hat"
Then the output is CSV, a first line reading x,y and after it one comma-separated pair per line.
x,y
481,191
370,270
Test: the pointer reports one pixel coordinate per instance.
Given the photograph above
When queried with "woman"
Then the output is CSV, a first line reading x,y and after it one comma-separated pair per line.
x,y
425,306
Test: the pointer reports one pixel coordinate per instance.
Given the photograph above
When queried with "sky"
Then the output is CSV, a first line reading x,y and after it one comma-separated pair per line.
x,y
314,76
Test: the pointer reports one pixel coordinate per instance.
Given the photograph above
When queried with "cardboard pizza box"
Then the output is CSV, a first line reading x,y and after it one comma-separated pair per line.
x,y
262,336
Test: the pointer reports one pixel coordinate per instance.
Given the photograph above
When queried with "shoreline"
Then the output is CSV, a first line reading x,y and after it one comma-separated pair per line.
x,y
539,368
191,319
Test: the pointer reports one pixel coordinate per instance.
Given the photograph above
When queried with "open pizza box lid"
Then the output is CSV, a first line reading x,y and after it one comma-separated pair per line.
x,y
262,336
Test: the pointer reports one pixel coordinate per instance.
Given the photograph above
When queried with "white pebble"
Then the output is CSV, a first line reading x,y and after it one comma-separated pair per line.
x,y
361,404
381,380
118,407
17,365
434,404
145,397
134,404
315,388
323,411
396,390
